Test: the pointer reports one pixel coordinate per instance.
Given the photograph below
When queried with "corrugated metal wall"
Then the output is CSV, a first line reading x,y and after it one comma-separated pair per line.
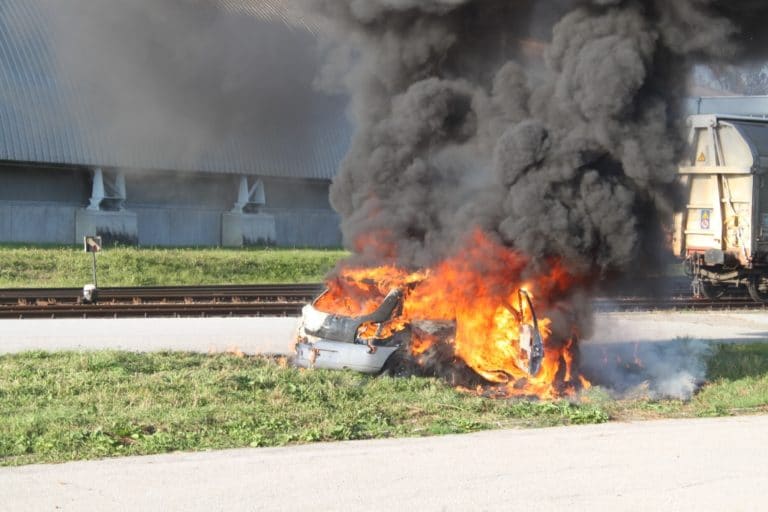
x,y
47,112
48,115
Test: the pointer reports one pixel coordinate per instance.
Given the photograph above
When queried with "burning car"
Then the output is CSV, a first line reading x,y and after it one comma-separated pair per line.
x,y
469,319
336,342
364,343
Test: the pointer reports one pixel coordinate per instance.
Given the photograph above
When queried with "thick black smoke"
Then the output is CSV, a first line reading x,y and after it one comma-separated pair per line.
x,y
554,126
458,126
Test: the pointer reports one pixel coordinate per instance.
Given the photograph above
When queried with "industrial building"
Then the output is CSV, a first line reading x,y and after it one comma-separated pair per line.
x,y
175,123
124,127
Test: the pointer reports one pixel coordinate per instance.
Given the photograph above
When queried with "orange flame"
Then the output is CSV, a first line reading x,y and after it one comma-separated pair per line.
x,y
476,290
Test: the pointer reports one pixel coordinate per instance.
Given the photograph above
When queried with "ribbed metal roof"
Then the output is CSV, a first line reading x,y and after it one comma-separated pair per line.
x,y
271,10
48,115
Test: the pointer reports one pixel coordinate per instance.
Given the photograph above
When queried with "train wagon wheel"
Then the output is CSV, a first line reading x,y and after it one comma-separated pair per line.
x,y
758,288
713,291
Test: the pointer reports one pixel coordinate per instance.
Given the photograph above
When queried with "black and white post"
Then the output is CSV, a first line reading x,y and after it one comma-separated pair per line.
x,y
91,244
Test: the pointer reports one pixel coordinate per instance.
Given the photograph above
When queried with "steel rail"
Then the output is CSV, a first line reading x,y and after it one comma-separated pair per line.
x,y
163,294
261,300
153,310
293,308
609,305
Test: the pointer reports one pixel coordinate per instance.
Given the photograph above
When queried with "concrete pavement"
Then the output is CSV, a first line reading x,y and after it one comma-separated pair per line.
x,y
701,465
251,335
274,335
664,326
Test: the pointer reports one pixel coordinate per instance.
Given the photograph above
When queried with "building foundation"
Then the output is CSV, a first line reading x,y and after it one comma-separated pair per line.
x,y
112,226
247,229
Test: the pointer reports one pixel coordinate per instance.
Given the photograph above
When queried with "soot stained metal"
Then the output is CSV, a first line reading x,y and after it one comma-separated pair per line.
x,y
530,337
332,341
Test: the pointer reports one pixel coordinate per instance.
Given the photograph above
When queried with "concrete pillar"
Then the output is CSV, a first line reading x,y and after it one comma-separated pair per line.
x,y
109,186
105,215
242,195
120,190
97,190
257,195
249,195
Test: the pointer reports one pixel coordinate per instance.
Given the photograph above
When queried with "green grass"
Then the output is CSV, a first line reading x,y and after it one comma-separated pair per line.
x,y
65,406
127,266
68,406
737,383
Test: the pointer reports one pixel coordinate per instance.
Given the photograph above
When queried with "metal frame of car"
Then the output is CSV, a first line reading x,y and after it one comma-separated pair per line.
x,y
331,341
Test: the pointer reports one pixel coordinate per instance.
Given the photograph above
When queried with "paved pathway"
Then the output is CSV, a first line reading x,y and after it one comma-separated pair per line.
x,y
251,335
697,465
274,335
721,326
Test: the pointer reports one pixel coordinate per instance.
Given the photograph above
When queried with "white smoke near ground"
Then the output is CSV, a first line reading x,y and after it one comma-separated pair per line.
x,y
658,369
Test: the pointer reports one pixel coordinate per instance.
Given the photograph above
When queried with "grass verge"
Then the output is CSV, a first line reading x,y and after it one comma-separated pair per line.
x,y
130,266
72,406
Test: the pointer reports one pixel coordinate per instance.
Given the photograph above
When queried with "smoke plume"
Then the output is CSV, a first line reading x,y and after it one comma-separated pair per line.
x,y
180,78
574,157
660,369
555,127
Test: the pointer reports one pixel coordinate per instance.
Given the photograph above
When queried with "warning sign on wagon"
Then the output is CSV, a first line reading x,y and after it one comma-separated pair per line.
x,y
706,217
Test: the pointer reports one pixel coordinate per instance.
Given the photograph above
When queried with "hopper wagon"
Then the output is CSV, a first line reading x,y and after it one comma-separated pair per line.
x,y
722,234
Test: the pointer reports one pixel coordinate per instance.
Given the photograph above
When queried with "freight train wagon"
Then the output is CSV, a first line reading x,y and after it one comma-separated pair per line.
x,y
723,232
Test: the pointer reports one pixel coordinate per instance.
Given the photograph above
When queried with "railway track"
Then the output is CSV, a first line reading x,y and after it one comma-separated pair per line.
x,y
609,305
262,300
250,300
159,293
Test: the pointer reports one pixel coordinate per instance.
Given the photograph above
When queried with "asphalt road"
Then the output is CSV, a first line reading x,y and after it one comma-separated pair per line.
x,y
701,465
